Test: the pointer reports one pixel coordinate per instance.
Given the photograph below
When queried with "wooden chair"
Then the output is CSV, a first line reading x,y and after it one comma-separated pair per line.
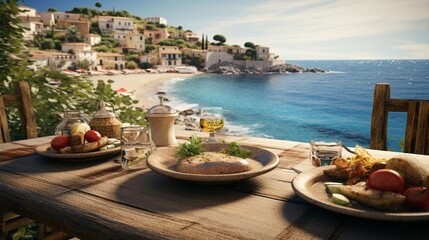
x,y
21,99
417,130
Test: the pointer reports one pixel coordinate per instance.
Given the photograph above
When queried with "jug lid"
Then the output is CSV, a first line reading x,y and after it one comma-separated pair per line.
x,y
102,112
161,109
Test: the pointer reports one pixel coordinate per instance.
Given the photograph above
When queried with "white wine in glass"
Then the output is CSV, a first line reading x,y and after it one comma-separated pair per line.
x,y
211,120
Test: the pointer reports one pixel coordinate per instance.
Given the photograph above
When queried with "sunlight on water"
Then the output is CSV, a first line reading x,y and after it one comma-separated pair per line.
x,y
300,107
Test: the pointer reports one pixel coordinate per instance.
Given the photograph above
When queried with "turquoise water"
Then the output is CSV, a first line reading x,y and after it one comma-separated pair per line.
x,y
303,106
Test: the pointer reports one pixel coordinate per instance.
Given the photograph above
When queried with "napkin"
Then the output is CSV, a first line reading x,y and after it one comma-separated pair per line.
x,y
16,153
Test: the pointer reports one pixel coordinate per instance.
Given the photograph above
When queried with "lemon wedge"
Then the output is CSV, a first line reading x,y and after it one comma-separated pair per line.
x,y
80,128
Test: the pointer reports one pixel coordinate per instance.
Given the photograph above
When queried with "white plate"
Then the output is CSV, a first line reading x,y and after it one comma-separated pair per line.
x,y
47,151
309,186
164,161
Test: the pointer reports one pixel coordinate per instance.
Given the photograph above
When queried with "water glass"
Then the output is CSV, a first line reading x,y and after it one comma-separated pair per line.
x,y
323,152
136,147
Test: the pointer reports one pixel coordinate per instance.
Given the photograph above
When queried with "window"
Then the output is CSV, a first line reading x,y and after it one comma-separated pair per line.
x,y
141,37
119,23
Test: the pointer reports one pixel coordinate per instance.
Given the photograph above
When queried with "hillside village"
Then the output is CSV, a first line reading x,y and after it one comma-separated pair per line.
x,y
115,44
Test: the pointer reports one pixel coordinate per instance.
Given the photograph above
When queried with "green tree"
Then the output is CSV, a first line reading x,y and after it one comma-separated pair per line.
x,y
250,45
47,43
52,10
98,5
73,34
202,42
12,63
149,48
221,39
131,65
52,92
145,65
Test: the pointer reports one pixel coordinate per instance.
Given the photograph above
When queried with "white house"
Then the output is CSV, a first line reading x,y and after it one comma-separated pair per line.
x,y
66,47
92,39
109,24
48,19
90,56
27,11
159,20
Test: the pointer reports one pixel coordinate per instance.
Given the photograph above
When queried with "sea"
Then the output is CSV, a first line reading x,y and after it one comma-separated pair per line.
x,y
306,106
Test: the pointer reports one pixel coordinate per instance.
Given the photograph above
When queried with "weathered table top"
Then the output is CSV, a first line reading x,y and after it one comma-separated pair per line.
x,y
99,200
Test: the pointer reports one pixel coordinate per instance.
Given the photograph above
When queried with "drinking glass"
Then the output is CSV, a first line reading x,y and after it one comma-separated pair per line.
x,y
136,147
323,152
211,120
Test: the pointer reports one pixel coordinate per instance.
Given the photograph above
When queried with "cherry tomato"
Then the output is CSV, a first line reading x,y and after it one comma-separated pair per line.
x,y
386,180
417,198
92,136
59,142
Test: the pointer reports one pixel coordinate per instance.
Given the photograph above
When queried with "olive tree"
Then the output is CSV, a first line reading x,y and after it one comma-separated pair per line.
x,y
221,39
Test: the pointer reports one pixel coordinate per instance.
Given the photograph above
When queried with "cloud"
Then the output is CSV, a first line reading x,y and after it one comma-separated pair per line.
x,y
415,50
301,24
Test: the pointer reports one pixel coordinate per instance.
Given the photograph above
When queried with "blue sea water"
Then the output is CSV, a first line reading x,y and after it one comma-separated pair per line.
x,y
304,106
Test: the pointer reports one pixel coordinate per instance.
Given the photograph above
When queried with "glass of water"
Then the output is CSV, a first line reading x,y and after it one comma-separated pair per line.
x,y
323,152
136,147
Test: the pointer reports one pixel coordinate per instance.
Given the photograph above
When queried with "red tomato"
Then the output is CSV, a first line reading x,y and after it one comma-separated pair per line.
x,y
386,180
417,198
59,142
92,136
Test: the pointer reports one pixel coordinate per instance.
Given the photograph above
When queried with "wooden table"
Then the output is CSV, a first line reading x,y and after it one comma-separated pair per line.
x,y
99,200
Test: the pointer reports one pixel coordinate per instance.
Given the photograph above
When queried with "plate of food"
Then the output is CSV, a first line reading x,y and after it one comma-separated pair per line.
x,y
213,163
80,147
393,189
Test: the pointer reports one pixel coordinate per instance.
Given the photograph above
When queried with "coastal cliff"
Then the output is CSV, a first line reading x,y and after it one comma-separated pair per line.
x,y
232,68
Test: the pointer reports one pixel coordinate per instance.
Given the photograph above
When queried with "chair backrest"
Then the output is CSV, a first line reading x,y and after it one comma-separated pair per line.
x,y
416,132
22,100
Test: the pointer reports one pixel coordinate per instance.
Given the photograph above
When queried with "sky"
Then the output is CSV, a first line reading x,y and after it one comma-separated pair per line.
x,y
293,29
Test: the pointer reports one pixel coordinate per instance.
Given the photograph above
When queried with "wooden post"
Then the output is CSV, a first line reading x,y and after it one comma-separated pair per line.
x,y
379,117
28,117
411,127
422,133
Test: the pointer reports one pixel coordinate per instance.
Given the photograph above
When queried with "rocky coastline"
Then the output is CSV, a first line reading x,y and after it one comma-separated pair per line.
x,y
232,68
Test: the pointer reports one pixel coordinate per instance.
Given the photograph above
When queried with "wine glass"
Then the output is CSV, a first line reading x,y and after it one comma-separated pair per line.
x,y
211,120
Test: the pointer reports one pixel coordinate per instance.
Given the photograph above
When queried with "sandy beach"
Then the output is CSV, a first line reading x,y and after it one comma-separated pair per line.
x,y
143,87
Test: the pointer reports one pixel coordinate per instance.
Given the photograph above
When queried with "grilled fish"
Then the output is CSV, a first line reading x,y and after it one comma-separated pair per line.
x,y
373,198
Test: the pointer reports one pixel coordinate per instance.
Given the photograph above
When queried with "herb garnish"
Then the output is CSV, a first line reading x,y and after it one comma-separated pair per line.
x,y
192,148
235,150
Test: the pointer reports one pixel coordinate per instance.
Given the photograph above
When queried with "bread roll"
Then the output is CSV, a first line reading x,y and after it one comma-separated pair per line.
x,y
213,163
410,168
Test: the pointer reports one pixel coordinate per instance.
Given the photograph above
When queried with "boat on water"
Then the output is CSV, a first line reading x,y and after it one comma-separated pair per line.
x,y
186,69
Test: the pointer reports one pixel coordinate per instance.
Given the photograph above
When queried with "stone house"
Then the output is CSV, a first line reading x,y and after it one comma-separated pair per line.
x,y
191,37
170,56
159,20
111,60
156,35
110,24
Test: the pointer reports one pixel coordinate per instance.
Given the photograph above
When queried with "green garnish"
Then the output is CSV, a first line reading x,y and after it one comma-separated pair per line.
x,y
192,148
235,150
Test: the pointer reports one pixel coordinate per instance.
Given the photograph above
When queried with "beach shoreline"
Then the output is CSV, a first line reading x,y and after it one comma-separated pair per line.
x,y
143,87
